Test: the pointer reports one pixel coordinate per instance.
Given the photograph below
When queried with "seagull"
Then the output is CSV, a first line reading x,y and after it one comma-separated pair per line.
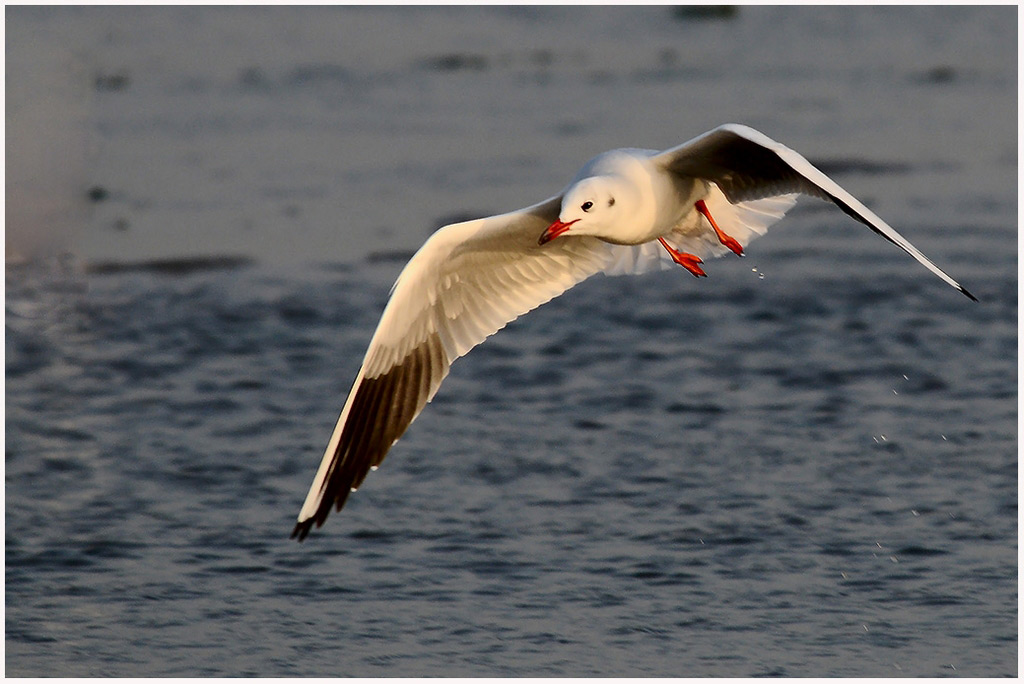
x,y
626,211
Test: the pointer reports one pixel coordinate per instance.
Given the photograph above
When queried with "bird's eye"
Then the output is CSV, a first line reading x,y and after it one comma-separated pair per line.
x,y
587,206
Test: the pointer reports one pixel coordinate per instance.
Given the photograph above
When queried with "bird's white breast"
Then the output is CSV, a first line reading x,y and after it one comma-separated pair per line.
x,y
664,203
651,204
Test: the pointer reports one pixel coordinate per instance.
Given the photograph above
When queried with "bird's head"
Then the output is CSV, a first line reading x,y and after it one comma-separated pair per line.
x,y
590,207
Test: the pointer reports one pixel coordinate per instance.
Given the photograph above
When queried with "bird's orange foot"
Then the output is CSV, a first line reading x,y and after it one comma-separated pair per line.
x,y
726,240
691,262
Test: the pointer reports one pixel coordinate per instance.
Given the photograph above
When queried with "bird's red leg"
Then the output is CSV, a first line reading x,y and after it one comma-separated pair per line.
x,y
691,262
726,240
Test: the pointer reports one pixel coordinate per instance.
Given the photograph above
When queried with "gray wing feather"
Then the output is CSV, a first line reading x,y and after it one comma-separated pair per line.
x,y
747,165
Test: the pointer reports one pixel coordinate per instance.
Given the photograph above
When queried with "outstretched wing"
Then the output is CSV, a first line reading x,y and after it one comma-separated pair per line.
x,y
747,165
466,282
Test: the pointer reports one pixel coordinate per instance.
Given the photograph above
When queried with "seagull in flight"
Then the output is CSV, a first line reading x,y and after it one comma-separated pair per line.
x,y
626,211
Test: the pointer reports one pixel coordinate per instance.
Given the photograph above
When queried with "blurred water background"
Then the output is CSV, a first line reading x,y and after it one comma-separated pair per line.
x,y
802,465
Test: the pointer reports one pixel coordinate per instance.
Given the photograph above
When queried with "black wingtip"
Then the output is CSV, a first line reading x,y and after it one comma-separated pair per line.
x,y
968,294
302,529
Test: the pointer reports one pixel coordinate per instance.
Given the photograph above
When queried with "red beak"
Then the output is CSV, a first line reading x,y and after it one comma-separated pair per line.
x,y
554,230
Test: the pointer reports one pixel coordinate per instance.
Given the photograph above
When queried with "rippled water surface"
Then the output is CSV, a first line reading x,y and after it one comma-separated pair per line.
x,y
802,465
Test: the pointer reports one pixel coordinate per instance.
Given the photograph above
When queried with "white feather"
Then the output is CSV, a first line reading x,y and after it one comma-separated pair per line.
x,y
743,221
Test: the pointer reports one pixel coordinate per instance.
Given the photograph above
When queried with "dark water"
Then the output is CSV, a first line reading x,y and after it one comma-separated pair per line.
x,y
813,472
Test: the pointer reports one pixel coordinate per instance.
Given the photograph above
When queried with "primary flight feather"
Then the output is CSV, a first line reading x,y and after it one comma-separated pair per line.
x,y
625,212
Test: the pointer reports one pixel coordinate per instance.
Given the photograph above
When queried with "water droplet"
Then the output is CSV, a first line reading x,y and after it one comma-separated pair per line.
x,y
914,512
352,489
905,377
373,468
